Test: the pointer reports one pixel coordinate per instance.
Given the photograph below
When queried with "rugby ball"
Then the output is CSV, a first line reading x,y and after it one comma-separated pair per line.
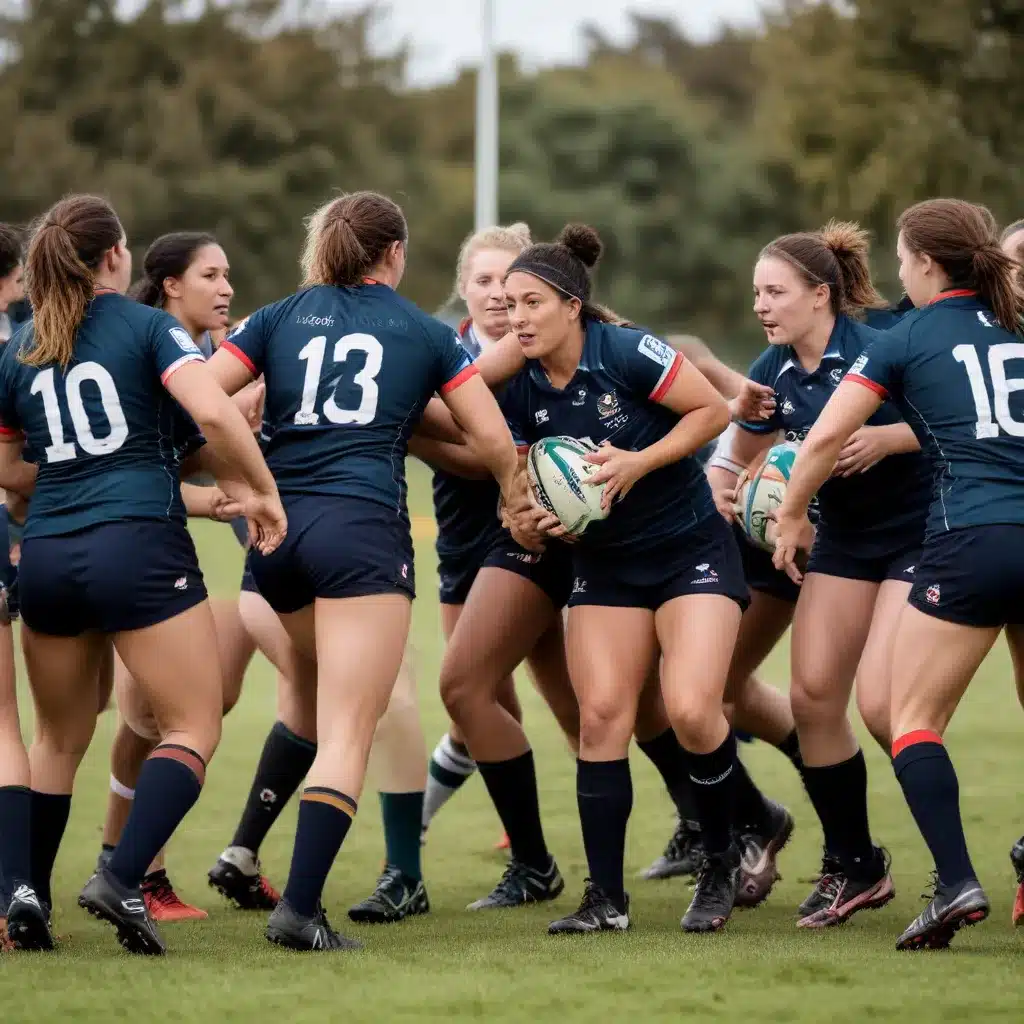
x,y
760,495
557,469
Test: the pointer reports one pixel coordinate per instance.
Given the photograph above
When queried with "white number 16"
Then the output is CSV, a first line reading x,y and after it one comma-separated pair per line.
x,y
1002,387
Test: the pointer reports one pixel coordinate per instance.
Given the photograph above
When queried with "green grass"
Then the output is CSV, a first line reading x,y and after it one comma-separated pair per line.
x,y
455,965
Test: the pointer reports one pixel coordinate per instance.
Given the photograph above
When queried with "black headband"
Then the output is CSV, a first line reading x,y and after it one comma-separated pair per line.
x,y
548,274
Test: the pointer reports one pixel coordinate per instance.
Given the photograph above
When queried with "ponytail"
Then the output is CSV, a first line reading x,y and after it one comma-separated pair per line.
x,y
995,277
850,244
66,250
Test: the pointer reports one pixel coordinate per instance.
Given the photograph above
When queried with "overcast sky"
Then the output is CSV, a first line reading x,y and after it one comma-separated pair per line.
x,y
446,33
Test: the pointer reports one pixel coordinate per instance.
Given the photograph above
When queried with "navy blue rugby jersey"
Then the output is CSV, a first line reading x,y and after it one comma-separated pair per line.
x,y
613,397
883,319
466,510
892,495
958,378
105,433
348,372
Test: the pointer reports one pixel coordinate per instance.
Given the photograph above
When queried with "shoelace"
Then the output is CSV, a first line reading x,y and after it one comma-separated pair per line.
x,y
164,894
683,837
264,887
512,882
593,896
931,887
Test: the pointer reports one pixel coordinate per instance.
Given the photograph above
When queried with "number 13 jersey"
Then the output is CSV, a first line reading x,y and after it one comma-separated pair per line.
x,y
958,379
348,373
105,433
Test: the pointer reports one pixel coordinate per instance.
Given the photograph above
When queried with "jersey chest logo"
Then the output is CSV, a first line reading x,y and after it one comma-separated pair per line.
x,y
607,405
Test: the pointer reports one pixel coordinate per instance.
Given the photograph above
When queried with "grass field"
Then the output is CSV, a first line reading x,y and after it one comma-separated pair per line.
x,y
458,966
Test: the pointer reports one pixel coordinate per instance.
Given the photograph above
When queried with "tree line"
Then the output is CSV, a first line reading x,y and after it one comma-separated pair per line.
x,y
686,156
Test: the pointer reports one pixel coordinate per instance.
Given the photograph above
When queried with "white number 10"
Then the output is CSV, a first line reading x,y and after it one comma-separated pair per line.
x,y
60,450
1002,387
313,355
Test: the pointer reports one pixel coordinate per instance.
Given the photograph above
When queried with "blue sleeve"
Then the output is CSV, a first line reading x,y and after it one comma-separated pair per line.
x,y
170,345
648,364
454,365
880,367
248,341
763,371
10,425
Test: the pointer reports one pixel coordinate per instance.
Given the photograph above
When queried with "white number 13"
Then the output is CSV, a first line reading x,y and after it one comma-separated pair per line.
x,y
313,355
1002,387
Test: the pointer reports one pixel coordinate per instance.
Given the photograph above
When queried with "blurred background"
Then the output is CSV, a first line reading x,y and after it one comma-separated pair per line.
x,y
688,133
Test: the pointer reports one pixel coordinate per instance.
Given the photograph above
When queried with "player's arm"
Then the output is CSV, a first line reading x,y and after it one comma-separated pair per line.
x,y
438,424
851,406
748,399
16,474
500,362
458,459
487,434
209,503
231,371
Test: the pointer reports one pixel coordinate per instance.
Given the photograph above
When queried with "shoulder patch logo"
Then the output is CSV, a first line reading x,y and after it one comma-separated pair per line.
x,y
184,341
238,328
859,363
656,350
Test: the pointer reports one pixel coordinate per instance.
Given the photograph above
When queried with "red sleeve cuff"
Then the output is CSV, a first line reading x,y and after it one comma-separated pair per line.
x,y
460,378
227,346
671,371
856,378
8,434
178,364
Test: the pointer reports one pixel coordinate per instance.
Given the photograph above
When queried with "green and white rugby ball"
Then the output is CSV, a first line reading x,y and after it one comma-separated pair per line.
x,y
760,495
557,471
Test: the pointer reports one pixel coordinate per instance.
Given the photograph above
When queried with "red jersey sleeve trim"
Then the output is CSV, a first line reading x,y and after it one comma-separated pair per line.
x,y
665,381
227,346
9,434
870,384
522,449
197,357
460,378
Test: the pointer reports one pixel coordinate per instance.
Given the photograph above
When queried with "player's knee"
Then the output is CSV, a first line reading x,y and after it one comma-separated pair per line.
x,y
696,721
605,724
460,694
813,704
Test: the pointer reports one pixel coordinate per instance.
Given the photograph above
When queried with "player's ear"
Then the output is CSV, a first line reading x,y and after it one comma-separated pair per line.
x,y
172,287
575,308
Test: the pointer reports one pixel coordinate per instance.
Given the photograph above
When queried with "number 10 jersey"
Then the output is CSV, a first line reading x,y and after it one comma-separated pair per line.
x,y
105,433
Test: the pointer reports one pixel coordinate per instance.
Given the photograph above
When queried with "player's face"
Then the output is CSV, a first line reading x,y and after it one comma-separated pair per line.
x,y
202,295
12,287
483,291
1013,246
916,274
786,305
539,316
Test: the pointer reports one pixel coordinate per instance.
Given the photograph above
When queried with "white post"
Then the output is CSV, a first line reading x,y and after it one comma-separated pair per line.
x,y
487,124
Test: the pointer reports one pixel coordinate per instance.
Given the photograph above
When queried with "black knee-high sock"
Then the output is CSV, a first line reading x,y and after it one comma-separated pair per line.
x,y
790,746
752,812
49,820
668,756
839,793
930,786
15,841
325,816
284,763
604,794
512,786
169,785
714,788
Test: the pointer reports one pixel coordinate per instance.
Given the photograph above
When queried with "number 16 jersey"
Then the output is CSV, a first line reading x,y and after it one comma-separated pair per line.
x,y
348,373
958,379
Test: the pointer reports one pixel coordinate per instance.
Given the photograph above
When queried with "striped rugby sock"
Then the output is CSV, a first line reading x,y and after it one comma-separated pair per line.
x,y
169,784
450,766
325,816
